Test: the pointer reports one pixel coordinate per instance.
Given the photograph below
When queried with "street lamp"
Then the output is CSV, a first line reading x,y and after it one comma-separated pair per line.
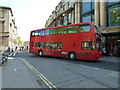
x,y
63,14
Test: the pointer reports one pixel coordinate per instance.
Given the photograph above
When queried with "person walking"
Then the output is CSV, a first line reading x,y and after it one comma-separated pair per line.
x,y
104,52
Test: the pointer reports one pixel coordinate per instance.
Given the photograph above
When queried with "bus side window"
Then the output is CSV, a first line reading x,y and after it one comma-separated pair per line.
x,y
39,45
41,33
53,31
47,32
84,28
59,45
88,45
33,34
73,29
36,33
63,30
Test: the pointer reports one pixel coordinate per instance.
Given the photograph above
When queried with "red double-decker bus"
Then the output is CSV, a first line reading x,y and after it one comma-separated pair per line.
x,y
75,41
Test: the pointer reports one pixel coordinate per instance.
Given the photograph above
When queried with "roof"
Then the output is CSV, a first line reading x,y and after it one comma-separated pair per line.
x,y
8,8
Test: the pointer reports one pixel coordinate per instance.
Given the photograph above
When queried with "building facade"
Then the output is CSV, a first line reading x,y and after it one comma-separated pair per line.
x,y
26,45
8,29
104,14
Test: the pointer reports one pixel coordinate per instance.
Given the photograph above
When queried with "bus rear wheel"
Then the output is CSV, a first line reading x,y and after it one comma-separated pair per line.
x,y
40,53
72,56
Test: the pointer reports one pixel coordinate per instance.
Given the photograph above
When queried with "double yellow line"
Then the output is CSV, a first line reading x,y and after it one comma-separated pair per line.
x,y
42,77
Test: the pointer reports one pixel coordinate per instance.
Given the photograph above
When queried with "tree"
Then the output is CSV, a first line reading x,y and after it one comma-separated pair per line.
x,y
19,41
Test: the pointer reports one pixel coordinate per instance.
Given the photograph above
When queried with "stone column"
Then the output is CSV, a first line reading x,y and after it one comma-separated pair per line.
x,y
76,12
73,16
103,13
97,13
79,13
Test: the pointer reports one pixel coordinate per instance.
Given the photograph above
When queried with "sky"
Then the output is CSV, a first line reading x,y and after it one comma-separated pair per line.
x,y
30,14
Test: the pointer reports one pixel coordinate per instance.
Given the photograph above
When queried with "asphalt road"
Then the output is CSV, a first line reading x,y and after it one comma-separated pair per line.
x,y
64,73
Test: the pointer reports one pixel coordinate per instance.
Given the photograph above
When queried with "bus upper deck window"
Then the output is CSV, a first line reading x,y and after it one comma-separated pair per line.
x,y
47,32
84,28
41,33
33,34
36,33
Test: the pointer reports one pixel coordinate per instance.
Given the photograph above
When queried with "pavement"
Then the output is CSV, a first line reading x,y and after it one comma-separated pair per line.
x,y
0,77
16,74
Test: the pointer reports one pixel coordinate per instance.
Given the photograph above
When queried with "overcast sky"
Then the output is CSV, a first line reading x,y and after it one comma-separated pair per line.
x,y
30,14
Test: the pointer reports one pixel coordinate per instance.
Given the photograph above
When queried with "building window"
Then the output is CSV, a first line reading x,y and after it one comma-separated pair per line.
x,y
1,14
63,7
112,2
69,4
69,18
64,20
87,11
1,26
86,18
87,6
113,12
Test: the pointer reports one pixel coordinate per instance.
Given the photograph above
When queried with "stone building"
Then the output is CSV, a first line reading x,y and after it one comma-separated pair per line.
x,y
26,45
8,29
104,14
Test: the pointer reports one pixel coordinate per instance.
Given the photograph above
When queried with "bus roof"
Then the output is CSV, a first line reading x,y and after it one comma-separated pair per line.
x,y
63,26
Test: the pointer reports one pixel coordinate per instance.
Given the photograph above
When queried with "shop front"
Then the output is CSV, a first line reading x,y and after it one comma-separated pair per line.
x,y
112,40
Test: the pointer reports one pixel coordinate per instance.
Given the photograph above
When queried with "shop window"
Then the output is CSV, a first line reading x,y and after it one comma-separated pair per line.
x,y
113,12
114,16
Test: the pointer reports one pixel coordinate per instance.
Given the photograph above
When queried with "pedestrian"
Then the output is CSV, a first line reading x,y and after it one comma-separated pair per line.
x,y
9,49
22,48
16,48
27,47
104,52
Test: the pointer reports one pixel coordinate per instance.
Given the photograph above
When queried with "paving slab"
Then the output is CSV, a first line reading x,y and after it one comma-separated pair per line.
x,y
15,74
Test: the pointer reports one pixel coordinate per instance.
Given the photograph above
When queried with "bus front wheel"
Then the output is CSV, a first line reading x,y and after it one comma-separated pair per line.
x,y
72,56
40,53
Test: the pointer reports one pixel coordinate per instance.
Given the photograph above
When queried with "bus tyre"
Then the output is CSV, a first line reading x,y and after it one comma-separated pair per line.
x,y
40,53
72,56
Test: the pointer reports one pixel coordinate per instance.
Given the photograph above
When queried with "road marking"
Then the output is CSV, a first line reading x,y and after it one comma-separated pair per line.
x,y
14,54
44,79
10,57
10,54
95,68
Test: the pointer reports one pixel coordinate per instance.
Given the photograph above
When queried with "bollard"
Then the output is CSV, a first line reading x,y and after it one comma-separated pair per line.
x,y
0,62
